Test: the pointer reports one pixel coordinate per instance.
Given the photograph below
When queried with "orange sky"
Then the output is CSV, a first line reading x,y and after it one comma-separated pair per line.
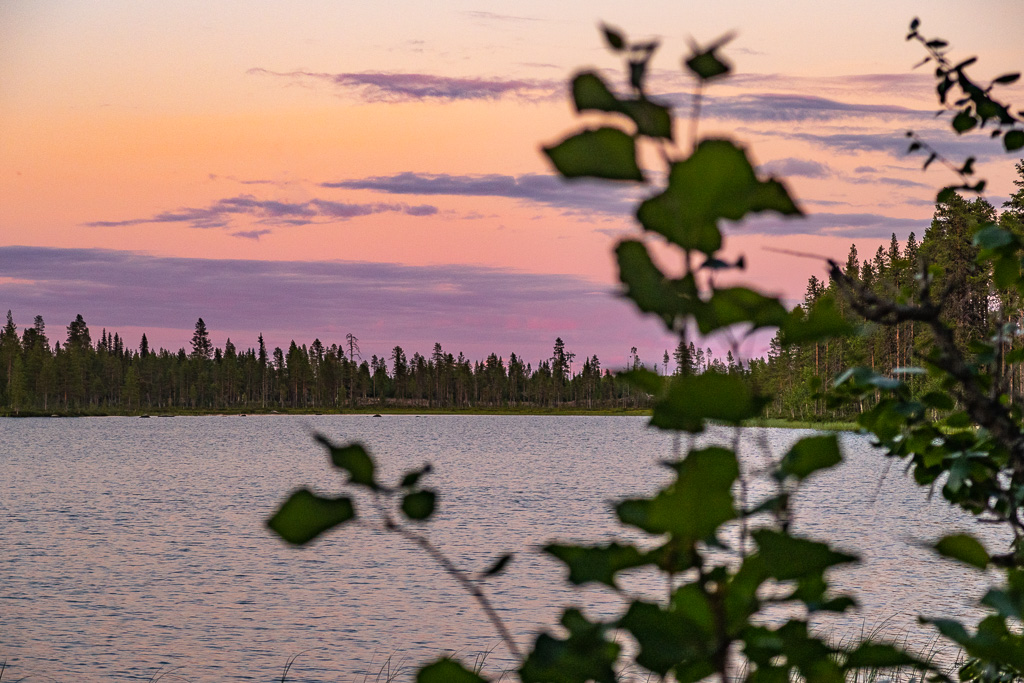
x,y
229,130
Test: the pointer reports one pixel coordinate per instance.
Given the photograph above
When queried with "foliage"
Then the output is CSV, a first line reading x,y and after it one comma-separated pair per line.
x,y
108,377
964,433
724,558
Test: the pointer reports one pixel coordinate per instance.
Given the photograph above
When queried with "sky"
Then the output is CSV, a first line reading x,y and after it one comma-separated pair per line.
x,y
309,169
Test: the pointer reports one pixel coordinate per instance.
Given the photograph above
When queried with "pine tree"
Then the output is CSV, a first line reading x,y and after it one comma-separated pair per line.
x,y
202,347
852,263
9,352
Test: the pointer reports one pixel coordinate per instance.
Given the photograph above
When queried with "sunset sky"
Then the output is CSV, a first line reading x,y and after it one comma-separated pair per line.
x,y
313,168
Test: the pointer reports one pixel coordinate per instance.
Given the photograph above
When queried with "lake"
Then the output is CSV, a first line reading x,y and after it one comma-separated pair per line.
x,y
135,548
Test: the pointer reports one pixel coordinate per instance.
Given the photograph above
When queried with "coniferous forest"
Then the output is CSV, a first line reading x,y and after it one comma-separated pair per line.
x,y
974,307
80,375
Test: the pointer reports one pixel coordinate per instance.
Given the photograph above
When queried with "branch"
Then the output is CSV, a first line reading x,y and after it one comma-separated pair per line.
x,y
469,584
983,408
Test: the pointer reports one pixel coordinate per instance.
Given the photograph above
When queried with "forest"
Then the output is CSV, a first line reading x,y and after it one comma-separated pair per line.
x,y
105,377
975,307
79,376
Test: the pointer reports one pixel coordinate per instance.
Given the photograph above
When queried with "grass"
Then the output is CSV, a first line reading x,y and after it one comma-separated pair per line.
x,y
361,410
833,426
804,424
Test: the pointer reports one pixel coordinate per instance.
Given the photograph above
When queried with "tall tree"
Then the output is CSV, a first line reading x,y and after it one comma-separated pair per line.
x,y
10,348
948,243
202,347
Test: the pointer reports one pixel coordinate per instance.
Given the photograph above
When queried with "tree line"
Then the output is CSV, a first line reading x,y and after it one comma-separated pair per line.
x,y
80,376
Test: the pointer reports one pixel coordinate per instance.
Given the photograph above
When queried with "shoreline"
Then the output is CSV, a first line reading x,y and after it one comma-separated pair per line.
x,y
837,426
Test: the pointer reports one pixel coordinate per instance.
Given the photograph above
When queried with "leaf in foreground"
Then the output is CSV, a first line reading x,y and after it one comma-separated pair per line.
x,y
304,516
447,671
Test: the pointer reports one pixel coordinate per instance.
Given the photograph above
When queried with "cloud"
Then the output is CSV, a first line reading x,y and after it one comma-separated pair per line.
x,y
790,108
901,84
251,234
895,143
852,225
583,195
221,213
825,202
790,166
470,308
492,16
378,86
885,180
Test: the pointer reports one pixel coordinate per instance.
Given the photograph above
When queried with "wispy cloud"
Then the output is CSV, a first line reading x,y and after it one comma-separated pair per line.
x,y
790,167
493,16
251,234
378,86
470,308
894,143
852,225
549,190
885,180
223,212
779,107
900,84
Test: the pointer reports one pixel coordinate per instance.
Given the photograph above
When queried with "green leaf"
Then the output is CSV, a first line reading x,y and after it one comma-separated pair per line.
x,y
716,182
499,565
735,305
964,121
1013,140
304,516
599,153
447,671
707,65
645,380
693,399
585,655
959,420
590,93
879,656
953,630
419,505
651,119
682,635
613,37
787,557
810,454
597,564
648,287
823,322
1006,272
694,505
353,459
862,377
991,236
1006,79
1008,602
938,400
412,477
965,548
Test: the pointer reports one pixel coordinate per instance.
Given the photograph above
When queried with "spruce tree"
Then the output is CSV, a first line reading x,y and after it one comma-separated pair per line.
x,y
202,347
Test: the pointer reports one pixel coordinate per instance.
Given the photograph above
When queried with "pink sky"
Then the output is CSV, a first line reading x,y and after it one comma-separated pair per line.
x,y
311,170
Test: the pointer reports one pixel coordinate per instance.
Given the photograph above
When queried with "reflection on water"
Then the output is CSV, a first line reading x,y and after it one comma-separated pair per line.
x,y
132,547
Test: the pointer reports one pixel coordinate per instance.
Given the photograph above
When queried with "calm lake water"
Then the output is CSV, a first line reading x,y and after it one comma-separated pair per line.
x,y
136,548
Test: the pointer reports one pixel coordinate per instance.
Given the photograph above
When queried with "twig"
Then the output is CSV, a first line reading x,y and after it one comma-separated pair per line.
x,y
469,584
